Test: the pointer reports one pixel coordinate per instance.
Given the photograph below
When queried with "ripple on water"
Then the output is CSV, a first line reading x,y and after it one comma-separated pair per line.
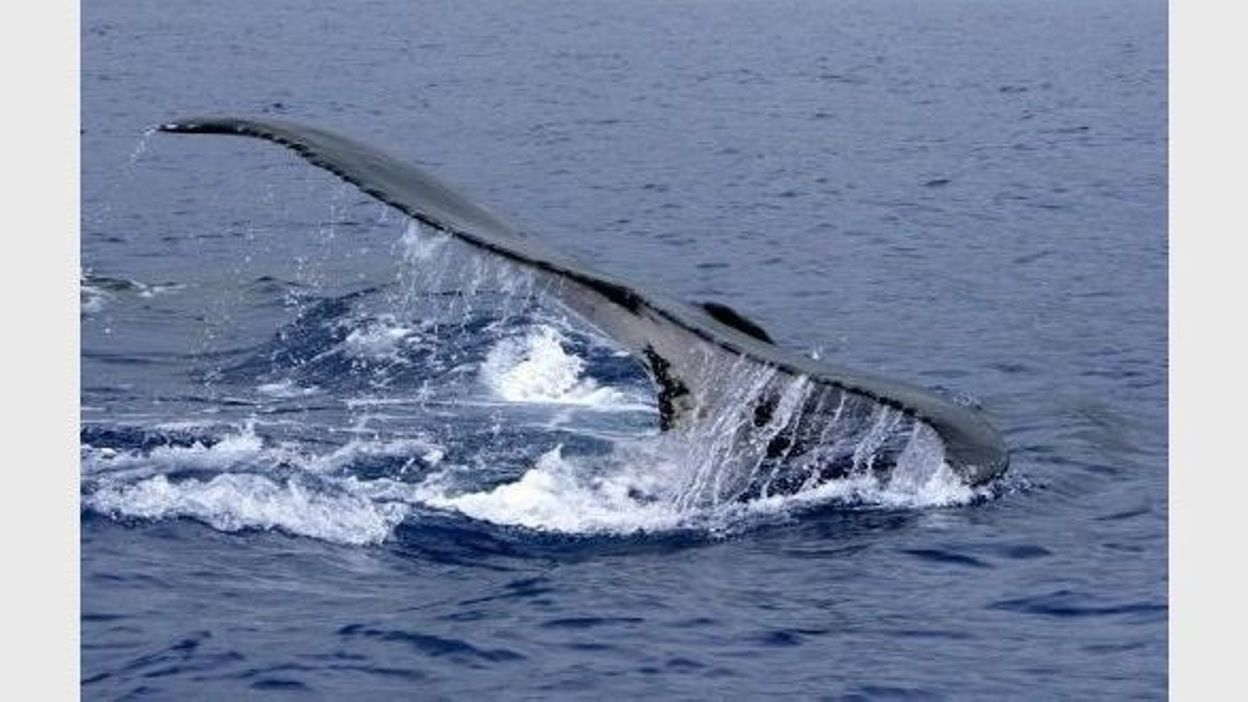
x,y
456,650
1072,604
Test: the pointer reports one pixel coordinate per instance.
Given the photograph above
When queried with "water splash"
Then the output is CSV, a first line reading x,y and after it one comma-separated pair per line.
x,y
139,149
637,491
103,214
535,367
451,284
359,491
734,467
381,339
454,314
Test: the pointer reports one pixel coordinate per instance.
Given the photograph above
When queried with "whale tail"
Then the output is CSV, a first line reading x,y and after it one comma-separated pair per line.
x,y
776,421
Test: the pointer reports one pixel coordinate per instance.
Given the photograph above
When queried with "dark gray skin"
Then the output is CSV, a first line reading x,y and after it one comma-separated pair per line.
x,y
686,348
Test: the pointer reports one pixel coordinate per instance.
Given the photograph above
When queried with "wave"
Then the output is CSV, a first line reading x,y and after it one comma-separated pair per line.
x,y
242,481
236,501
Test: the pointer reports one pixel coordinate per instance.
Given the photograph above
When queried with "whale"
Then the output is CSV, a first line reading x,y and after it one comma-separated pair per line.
x,y
771,420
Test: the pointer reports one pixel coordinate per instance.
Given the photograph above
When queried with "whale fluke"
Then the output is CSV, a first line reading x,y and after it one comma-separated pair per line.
x,y
719,375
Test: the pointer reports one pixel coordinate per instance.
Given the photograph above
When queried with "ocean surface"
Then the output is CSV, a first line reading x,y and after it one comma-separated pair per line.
x,y
326,453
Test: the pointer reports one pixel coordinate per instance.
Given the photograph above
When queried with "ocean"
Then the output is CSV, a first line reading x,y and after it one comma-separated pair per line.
x,y
326,452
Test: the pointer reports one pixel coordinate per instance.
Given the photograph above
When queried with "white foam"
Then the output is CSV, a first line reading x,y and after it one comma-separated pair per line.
x,y
536,368
382,339
638,489
92,299
239,449
943,488
286,389
412,449
257,485
558,495
96,293
235,501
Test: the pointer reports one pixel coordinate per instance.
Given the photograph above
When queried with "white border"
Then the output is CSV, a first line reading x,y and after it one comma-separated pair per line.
x,y
39,524
1207,326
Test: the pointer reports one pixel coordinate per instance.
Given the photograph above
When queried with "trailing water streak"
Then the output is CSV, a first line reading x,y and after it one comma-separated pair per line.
x,y
441,270
776,434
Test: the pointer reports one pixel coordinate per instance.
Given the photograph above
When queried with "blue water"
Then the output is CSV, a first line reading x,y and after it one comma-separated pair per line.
x,y
325,454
